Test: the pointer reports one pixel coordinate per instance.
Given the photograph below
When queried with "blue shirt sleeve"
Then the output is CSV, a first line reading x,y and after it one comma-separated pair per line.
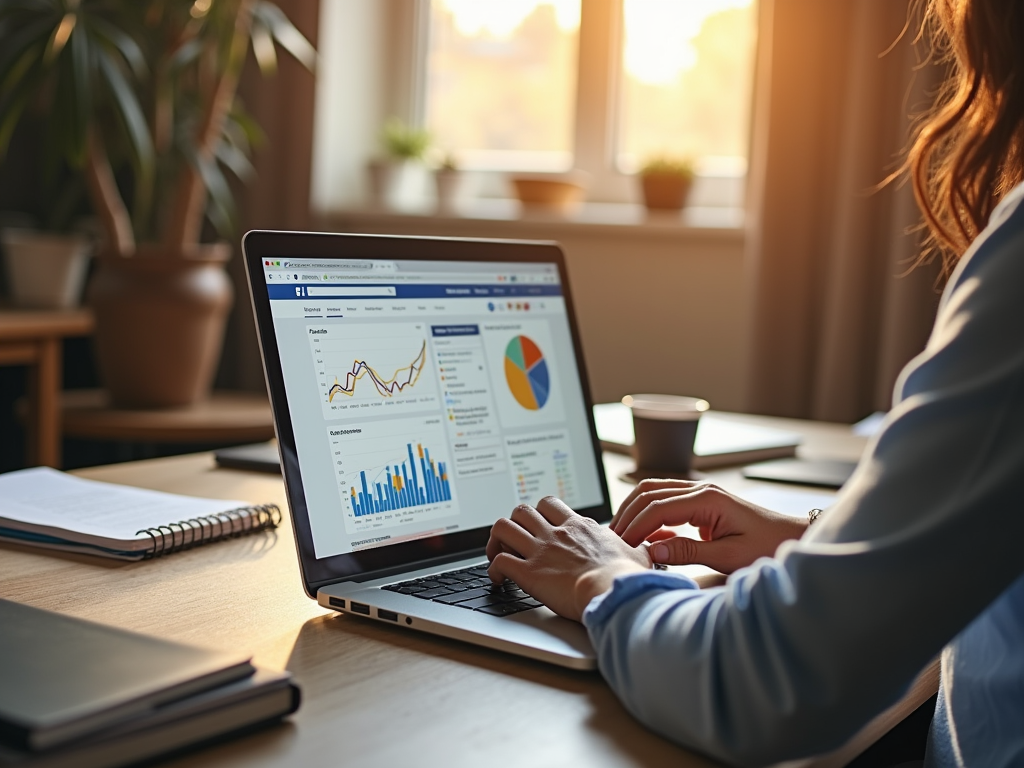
x,y
795,653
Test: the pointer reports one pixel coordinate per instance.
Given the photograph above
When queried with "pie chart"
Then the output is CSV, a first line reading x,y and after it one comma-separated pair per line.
x,y
526,372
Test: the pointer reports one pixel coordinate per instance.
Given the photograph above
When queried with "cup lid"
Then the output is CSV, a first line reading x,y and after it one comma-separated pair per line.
x,y
666,407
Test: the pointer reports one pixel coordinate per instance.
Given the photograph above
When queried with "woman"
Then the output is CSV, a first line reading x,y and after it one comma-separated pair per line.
x,y
819,629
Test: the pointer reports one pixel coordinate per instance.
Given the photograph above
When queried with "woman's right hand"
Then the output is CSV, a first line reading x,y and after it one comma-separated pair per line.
x,y
733,532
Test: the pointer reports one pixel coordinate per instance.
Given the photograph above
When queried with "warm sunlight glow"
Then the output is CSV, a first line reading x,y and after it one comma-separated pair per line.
x,y
659,36
502,18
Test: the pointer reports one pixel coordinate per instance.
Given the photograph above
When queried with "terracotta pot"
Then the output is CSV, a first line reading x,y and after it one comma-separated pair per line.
x,y
665,191
160,321
548,194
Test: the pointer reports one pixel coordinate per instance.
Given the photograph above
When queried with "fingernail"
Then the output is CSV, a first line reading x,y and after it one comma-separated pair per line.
x,y
659,553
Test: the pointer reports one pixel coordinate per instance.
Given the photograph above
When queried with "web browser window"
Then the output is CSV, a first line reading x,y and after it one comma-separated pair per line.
x,y
428,397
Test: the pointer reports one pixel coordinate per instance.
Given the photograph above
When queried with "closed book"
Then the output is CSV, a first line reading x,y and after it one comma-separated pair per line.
x,y
186,724
65,678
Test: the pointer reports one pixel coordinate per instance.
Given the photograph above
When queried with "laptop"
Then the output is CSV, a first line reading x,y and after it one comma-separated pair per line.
x,y
421,389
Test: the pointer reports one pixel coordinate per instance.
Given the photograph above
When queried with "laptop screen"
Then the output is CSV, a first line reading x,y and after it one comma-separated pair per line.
x,y
427,397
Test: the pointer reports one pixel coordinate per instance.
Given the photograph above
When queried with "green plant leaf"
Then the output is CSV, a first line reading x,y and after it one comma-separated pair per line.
x,y
187,53
130,51
263,47
221,204
27,40
126,104
235,159
285,33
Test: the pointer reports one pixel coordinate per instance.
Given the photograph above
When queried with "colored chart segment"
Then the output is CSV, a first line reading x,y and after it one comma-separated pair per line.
x,y
415,482
526,372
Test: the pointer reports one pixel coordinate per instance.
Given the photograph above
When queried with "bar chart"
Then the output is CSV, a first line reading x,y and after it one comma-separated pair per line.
x,y
393,474
416,482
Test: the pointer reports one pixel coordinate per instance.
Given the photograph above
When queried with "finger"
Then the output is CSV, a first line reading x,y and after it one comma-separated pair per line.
x,y
507,535
720,554
646,486
555,511
661,533
698,508
508,566
645,500
530,519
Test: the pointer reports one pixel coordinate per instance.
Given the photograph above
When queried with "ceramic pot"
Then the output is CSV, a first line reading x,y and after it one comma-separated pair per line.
x,y
665,191
448,185
45,271
160,321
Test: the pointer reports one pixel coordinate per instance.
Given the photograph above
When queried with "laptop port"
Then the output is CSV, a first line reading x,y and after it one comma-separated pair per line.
x,y
336,602
360,608
389,615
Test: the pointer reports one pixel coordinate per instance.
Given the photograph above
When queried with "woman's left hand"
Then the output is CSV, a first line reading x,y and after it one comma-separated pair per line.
x,y
559,557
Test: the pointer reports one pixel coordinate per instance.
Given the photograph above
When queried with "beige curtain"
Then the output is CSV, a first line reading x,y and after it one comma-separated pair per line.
x,y
833,321
278,196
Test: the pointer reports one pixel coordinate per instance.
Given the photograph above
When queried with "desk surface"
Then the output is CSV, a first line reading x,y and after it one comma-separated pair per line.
x,y
373,695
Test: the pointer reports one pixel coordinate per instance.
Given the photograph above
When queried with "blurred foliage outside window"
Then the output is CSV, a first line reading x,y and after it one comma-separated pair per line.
x,y
502,77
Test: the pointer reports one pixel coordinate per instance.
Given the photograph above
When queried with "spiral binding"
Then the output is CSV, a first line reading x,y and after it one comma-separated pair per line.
x,y
186,534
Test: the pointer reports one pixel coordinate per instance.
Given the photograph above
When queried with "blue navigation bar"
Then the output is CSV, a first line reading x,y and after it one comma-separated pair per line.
x,y
297,292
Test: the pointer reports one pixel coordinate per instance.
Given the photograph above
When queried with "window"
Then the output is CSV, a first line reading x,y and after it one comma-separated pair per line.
x,y
539,85
501,82
506,87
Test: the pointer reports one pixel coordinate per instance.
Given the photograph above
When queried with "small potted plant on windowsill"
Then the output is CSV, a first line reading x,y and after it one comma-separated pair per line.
x,y
666,182
448,184
141,96
404,147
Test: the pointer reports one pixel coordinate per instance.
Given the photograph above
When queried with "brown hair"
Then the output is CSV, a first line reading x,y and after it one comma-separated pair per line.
x,y
969,152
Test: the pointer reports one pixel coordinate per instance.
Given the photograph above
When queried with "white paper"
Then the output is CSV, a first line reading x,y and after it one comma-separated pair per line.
x,y
47,497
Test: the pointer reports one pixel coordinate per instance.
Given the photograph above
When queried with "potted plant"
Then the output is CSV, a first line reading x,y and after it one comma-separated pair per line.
x,y
142,98
404,146
666,182
447,183
47,243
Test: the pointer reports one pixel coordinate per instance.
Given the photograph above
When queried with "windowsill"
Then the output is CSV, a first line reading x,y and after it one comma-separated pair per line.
x,y
616,219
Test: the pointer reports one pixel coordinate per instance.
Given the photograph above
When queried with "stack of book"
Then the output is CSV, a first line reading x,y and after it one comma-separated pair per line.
x,y
80,694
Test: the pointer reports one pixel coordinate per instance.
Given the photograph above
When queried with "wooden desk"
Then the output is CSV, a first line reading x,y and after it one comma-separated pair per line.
x,y
33,338
373,695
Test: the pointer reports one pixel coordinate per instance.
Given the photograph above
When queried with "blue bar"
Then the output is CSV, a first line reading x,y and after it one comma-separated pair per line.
x,y
277,292
415,480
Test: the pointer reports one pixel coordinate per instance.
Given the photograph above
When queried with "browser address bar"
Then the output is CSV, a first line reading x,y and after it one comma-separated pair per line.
x,y
355,290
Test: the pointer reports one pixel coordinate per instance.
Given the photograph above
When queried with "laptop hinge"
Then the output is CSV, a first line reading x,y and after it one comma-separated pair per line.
x,y
383,573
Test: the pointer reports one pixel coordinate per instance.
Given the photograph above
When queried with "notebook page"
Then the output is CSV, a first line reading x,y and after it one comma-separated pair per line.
x,y
46,497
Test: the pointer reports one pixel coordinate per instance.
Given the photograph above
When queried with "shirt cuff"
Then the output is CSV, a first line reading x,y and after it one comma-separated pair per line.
x,y
626,587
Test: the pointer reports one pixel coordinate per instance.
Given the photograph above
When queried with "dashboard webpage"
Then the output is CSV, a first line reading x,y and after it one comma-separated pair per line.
x,y
428,397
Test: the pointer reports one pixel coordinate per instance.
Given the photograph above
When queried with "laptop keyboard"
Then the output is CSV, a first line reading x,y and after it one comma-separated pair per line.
x,y
469,588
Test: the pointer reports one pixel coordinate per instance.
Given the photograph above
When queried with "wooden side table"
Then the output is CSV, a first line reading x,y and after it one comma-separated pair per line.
x,y
226,417
34,338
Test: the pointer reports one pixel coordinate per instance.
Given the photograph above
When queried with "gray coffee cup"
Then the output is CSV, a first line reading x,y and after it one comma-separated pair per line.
x,y
664,429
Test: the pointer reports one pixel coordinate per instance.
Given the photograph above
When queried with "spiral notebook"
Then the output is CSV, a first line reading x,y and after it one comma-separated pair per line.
x,y
48,508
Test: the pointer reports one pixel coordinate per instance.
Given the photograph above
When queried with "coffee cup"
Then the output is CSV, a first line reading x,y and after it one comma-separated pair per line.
x,y
664,429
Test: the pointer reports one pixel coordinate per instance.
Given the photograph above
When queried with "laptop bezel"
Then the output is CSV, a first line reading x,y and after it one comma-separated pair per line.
x,y
261,245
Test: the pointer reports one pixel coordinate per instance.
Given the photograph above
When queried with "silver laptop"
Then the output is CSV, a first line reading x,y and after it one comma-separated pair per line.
x,y
422,388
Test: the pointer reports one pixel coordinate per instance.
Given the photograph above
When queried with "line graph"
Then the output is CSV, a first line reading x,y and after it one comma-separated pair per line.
x,y
367,369
402,378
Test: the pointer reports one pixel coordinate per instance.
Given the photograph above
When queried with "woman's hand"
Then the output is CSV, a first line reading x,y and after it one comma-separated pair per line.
x,y
734,532
559,557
